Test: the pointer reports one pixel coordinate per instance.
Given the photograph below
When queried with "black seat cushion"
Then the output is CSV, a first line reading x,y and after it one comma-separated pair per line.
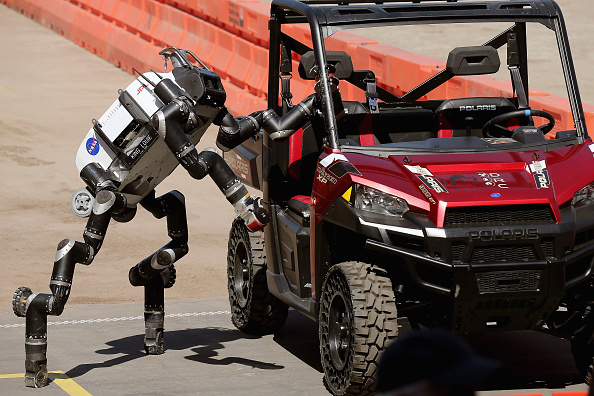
x,y
464,115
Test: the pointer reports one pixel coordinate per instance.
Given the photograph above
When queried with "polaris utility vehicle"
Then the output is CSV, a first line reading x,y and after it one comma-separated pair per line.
x,y
438,205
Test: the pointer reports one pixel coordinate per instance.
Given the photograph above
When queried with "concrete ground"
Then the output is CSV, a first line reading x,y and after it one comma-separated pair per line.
x,y
98,349
50,89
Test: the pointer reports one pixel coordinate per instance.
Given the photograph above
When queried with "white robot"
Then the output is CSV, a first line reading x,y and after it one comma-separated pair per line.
x,y
151,128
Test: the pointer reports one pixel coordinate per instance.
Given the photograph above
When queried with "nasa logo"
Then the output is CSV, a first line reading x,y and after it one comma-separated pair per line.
x,y
92,146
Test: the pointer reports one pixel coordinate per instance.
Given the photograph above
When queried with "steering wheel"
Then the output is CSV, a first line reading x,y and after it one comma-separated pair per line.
x,y
493,129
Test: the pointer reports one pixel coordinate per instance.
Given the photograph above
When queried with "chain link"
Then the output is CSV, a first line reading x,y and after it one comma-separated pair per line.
x,y
84,321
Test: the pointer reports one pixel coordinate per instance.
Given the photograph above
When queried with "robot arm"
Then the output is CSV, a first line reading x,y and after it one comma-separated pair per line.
x,y
233,132
177,118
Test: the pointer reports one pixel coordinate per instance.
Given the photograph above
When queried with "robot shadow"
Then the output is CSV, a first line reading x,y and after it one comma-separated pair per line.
x,y
203,342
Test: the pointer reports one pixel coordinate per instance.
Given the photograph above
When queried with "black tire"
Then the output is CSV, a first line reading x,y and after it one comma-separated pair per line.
x,y
583,355
576,324
253,309
357,321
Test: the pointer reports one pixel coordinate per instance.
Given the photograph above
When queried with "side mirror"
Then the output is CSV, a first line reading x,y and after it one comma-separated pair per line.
x,y
464,61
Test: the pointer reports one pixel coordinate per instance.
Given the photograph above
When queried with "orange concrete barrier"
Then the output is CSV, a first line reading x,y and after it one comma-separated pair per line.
x,y
251,19
176,31
231,37
239,69
257,76
83,34
106,8
29,8
224,52
192,34
60,17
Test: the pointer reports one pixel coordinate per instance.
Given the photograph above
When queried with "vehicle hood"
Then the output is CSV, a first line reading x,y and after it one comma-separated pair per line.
x,y
431,183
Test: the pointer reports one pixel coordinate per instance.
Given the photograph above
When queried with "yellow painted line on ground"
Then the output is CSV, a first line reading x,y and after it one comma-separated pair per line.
x,y
2,376
67,384
59,378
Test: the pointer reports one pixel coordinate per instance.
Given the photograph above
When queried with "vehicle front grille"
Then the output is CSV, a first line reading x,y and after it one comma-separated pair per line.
x,y
499,253
502,254
458,249
499,215
548,247
506,281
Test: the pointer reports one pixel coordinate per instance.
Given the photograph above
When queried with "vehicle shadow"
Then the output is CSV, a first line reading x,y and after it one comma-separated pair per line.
x,y
299,337
530,360
203,342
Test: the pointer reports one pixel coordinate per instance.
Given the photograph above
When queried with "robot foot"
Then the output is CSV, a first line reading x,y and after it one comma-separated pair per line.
x,y
35,362
156,345
154,342
36,379
255,216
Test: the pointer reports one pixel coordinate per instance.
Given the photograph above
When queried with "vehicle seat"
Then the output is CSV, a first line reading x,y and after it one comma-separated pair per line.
x,y
467,116
363,128
305,146
356,125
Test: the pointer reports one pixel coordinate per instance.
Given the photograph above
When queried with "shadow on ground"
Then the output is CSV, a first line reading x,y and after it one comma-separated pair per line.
x,y
530,360
299,336
202,342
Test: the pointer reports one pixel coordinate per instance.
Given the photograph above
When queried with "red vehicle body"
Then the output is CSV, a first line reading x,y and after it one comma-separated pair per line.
x,y
412,212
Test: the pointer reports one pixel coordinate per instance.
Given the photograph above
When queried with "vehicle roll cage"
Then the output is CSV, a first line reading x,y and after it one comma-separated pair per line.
x,y
328,17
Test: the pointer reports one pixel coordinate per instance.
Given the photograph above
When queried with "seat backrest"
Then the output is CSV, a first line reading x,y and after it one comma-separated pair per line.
x,y
387,126
305,146
467,116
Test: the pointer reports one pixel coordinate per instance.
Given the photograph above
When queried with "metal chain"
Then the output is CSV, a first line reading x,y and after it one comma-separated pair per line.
x,y
84,321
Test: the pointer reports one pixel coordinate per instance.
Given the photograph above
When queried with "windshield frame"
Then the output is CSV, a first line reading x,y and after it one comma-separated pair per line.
x,y
326,18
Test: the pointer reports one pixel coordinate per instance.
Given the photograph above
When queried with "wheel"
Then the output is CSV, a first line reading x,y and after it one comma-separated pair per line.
x,y
358,319
576,323
583,355
19,301
81,202
253,309
493,129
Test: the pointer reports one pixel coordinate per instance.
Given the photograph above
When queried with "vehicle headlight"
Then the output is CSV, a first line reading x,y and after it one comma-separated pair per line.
x,y
584,197
367,198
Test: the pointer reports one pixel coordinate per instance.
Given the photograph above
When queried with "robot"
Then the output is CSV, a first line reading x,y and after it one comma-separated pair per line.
x,y
151,128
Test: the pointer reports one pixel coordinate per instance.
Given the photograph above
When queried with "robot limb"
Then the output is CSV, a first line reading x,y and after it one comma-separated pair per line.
x,y
233,132
157,272
172,122
37,306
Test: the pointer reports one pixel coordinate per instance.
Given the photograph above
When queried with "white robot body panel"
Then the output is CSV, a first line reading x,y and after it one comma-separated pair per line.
x,y
115,120
119,141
